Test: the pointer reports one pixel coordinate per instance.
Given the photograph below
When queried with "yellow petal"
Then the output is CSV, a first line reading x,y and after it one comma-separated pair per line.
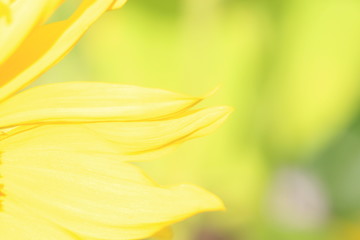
x,y
20,17
46,45
121,141
96,203
18,223
89,189
164,234
90,102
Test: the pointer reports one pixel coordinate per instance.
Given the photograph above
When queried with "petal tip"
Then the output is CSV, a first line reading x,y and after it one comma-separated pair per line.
x,y
212,91
204,200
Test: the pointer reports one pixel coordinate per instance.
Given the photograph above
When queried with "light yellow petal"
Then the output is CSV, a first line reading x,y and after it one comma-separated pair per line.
x,y
46,45
96,204
18,18
121,141
18,223
89,102
73,175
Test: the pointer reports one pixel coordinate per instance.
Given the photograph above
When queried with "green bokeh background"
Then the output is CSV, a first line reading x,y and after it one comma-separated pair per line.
x,y
287,162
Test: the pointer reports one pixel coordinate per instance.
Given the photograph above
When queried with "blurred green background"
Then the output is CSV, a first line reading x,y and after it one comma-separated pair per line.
x,y
287,162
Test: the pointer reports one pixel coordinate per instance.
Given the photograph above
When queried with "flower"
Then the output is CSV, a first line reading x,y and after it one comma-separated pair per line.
x,y
66,148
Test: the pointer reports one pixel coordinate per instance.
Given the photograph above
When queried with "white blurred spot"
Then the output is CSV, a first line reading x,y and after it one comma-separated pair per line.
x,y
297,200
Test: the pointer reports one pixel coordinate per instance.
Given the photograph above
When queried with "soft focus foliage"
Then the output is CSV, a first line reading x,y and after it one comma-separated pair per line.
x,y
287,164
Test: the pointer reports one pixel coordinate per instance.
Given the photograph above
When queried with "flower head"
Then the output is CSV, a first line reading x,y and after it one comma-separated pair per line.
x,y
66,149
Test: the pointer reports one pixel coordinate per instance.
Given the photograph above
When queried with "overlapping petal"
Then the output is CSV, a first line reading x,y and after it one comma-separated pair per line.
x,y
121,141
94,195
46,44
91,102
90,188
19,19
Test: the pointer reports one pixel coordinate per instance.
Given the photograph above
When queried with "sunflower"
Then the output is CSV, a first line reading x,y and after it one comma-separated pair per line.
x,y
66,148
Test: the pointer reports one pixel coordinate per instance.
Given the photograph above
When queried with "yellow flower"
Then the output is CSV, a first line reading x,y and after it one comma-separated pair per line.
x,y
66,148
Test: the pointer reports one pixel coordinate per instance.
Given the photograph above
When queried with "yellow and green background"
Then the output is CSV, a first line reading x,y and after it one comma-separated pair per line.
x,y
287,162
